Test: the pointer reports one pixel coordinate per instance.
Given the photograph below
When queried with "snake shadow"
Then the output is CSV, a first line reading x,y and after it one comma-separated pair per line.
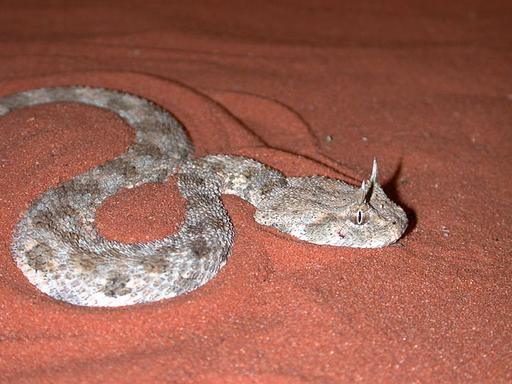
x,y
391,187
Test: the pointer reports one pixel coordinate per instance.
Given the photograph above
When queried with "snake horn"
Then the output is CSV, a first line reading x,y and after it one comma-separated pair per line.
x,y
367,185
375,171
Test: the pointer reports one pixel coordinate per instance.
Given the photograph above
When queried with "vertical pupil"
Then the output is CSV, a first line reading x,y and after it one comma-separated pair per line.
x,y
359,217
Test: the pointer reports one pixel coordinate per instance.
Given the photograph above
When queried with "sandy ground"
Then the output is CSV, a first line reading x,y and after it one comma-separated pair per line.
x,y
426,88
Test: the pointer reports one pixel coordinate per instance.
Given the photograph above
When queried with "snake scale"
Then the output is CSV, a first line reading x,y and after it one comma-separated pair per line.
x,y
59,249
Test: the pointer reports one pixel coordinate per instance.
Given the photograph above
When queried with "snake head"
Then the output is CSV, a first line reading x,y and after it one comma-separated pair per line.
x,y
330,212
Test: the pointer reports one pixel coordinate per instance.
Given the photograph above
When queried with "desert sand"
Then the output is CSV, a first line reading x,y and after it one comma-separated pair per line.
x,y
309,88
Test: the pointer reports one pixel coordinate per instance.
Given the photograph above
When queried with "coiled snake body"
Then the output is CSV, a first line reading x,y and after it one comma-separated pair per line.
x,y
61,252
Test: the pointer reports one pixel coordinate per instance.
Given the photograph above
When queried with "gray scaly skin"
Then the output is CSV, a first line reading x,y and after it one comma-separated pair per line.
x,y
57,245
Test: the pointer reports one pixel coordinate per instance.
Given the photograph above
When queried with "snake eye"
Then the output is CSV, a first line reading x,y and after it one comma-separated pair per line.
x,y
360,217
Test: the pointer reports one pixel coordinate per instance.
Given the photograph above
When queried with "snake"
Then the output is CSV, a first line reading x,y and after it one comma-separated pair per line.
x,y
59,249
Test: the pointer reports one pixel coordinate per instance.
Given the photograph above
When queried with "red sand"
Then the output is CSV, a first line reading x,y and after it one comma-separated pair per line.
x,y
425,88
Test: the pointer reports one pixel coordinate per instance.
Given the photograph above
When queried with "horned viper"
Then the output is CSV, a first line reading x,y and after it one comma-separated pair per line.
x,y
59,249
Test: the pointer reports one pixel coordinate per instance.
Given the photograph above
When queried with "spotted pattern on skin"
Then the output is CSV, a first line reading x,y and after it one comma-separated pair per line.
x,y
59,249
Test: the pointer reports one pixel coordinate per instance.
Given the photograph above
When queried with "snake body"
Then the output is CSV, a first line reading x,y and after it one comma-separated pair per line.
x,y
59,249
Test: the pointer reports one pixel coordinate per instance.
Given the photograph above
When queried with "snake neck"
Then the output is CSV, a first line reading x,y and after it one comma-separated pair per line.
x,y
233,175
